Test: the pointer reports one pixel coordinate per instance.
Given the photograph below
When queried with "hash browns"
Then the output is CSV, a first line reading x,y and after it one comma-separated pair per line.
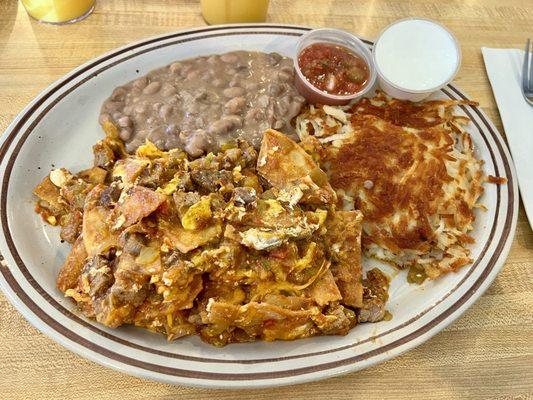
x,y
410,168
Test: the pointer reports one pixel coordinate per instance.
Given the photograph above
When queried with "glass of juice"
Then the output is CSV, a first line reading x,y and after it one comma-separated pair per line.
x,y
59,11
234,11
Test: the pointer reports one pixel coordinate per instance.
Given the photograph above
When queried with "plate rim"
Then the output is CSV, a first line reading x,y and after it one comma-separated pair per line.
x,y
60,84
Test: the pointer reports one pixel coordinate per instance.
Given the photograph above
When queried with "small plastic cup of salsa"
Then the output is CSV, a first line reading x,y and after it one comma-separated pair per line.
x,y
333,67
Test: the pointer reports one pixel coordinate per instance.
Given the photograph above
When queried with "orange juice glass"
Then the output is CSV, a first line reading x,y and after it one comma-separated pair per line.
x,y
234,11
59,11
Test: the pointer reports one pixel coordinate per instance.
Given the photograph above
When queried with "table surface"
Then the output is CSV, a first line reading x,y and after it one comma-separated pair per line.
x,y
487,353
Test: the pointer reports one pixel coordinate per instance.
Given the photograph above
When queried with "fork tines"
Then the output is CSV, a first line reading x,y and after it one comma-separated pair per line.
x,y
527,74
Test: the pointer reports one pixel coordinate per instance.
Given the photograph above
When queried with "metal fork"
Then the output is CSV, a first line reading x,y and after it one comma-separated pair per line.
x,y
527,75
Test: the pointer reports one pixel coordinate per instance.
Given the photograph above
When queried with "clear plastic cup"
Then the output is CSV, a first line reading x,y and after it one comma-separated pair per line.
x,y
341,38
431,52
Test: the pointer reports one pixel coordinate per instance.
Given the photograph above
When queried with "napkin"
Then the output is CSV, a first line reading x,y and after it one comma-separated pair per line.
x,y
504,68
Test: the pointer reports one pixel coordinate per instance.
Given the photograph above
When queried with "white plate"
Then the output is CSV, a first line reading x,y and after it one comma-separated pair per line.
x,y
60,126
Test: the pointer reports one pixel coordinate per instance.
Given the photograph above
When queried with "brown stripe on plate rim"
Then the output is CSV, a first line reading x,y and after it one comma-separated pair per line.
x,y
215,360
262,360
67,313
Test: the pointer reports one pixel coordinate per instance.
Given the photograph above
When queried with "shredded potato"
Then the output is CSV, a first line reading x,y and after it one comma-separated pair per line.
x,y
410,168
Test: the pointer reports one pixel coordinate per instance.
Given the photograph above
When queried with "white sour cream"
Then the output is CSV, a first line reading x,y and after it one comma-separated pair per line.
x,y
417,54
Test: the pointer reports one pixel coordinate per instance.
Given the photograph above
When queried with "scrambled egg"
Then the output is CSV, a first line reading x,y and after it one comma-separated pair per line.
x,y
224,246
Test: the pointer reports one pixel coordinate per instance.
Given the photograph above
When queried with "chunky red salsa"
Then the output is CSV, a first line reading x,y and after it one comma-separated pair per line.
x,y
333,68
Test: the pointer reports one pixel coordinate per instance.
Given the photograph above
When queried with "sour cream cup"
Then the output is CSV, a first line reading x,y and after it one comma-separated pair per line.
x,y
337,37
415,57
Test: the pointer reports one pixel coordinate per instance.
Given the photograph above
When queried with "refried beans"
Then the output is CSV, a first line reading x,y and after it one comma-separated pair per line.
x,y
202,103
